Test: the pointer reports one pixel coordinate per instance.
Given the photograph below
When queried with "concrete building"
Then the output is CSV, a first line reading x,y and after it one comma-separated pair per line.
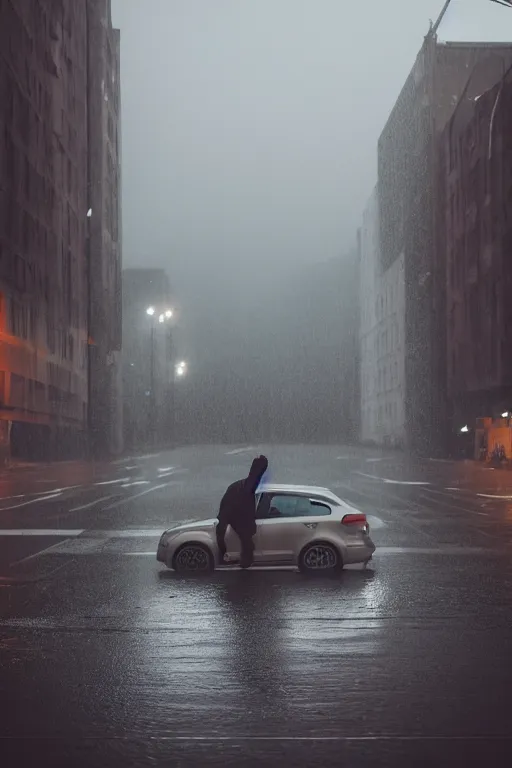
x,y
104,242
43,182
381,337
148,357
407,189
60,300
476,229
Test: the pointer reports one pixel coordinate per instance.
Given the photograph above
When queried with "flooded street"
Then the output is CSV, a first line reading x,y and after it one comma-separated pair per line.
x,y
110,659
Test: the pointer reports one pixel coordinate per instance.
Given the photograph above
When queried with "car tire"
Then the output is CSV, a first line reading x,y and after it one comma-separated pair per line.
x,y
320,558
193,558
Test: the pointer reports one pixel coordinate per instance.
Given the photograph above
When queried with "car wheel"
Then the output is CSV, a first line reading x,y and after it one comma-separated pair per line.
x,y
320,557
193,558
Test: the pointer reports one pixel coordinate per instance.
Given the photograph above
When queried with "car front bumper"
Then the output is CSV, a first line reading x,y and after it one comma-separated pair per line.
x,y
161,553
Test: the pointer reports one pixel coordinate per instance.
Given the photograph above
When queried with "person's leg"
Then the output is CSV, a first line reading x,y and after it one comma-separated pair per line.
x,y
220,533
247,553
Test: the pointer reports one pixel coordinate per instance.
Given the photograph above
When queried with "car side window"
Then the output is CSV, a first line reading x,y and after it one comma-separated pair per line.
x,y
296,506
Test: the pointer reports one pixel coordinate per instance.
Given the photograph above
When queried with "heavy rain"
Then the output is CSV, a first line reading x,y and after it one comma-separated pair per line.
x,y
255,383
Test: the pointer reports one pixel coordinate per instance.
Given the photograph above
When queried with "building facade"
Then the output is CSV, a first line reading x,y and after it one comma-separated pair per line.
x,y
104,233
476,186
381,337
59,271
148,358
43,183
408,174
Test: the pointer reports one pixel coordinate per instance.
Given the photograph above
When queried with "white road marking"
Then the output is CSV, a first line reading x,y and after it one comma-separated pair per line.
x,y
240,450
135,482
91,504
391,482
149,456
65,533
38,493
404,482
127,533
32,501
138,495
21,496
444,550
82,542
214,738
491,496
45,551
384,551
166,469
113,482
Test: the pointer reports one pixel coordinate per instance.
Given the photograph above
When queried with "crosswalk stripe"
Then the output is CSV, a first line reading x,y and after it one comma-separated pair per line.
x,y
66,533
85,533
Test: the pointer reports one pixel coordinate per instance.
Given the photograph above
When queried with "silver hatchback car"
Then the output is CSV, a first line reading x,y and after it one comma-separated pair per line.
x,y
305,526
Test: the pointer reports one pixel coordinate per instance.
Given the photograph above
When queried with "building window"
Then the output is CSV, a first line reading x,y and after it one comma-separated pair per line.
x,y
19,320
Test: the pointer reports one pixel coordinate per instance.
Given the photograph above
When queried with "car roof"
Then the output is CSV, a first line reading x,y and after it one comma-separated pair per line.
x,y
300,490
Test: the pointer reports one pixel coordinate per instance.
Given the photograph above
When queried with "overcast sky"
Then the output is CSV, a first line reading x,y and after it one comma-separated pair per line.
x,y
250,126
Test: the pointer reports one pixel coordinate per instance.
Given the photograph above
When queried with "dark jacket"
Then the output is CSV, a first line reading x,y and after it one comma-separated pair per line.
x,y
238,505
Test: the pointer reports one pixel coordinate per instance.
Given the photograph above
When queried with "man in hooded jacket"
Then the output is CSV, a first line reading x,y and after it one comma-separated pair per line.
x,y
238,509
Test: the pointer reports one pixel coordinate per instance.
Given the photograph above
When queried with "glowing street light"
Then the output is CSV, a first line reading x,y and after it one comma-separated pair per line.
x,y
168,313
465,428
150,311
181,368
161,318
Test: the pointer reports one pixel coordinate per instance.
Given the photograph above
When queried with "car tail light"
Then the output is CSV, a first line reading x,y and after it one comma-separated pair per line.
x,y
354,519
357,519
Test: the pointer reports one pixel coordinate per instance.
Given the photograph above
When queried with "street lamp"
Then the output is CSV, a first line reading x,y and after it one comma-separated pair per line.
x,y
163,315
181,368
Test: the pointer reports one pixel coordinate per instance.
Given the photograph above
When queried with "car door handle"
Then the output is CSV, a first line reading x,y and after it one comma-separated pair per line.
x,y
310,525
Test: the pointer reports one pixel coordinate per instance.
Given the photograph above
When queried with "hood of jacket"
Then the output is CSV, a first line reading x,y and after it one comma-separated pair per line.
x,y
258,468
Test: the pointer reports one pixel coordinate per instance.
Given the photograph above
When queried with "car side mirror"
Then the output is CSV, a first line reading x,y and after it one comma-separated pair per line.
x,y
273,512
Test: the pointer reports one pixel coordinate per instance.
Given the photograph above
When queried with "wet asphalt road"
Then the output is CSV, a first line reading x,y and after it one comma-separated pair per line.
x,y
109,660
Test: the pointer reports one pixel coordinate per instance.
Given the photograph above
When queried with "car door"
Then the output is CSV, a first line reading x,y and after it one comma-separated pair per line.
x,y
285,526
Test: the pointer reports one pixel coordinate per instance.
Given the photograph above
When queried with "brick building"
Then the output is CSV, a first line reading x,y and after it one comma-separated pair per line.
x,y
50,140
476,231
43,181
408,175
